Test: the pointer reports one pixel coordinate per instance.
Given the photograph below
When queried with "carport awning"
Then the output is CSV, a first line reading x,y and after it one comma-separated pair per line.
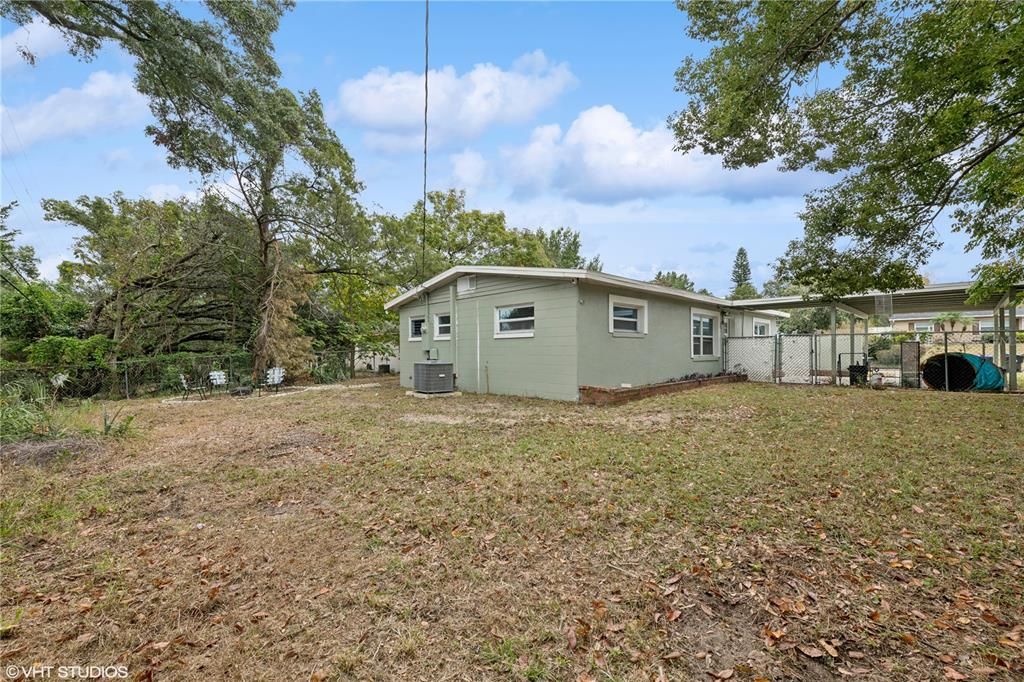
x,y
932,298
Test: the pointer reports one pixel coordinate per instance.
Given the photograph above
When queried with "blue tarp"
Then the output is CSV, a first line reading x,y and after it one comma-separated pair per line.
x,y
987,377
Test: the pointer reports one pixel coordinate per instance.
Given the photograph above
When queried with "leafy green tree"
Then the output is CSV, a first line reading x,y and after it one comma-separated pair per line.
x,y
29,307
916,106
16,262
345,308
562,246
742,287
800,320
455,235
159,276
676,280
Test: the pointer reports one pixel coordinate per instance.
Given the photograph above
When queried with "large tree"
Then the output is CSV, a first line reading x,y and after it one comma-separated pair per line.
x,y
160,276
916,107
212,88
742,285
452,234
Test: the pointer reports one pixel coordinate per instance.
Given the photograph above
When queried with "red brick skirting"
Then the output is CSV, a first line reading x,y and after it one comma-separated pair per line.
x,y
599,395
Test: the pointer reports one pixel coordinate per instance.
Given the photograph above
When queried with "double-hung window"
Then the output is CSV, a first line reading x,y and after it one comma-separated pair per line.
x,y
513,321
704,327
416,328
627,316
442,326
762,327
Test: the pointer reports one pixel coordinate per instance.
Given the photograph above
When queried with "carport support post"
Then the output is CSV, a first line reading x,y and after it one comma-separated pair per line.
x,y
835,361
853,330
1012,320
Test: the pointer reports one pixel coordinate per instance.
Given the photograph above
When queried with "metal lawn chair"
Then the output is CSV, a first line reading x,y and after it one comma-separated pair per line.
x,y
218,379
187,389
273,380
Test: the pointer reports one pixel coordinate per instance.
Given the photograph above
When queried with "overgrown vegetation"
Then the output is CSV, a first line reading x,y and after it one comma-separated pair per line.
x,y
274,256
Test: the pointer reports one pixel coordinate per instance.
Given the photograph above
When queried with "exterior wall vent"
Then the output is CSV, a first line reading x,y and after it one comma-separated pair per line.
x,y
466,284
433,377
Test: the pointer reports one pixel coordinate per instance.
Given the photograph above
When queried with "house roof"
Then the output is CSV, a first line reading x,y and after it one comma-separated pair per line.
x,y
975,314
949,297
451,274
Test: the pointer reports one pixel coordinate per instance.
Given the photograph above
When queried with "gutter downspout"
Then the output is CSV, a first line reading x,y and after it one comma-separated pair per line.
x,y
453,309
428,322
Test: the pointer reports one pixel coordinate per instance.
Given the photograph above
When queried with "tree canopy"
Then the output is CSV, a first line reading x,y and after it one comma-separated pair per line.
x,y
915,106
676,280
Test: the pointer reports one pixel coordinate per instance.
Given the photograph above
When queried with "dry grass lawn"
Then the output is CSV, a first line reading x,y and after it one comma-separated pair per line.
x,y
745,532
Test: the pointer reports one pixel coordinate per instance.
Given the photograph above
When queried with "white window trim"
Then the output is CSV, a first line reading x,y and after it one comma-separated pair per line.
x,y
716,332
412,318
524,334
438,336
759,320
930,327
639,303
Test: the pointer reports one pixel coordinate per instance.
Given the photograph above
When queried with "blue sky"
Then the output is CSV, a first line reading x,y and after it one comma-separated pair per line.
x,y
551,112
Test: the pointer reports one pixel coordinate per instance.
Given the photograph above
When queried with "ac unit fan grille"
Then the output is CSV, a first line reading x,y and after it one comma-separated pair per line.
x,y
433,377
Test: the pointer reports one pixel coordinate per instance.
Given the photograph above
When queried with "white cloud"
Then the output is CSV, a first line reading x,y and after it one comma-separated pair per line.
x,y
104,101
37,37
470,170
117,157
604,158
390,105
167,192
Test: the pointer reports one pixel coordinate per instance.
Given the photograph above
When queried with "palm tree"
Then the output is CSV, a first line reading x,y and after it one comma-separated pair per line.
x,y
953,319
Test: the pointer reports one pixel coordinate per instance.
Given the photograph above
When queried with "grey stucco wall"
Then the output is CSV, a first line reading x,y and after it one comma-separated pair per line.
x,y
571,345
543,365
612,359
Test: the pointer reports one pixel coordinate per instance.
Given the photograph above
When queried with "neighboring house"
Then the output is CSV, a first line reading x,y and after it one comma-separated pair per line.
x,y
545,332
981,321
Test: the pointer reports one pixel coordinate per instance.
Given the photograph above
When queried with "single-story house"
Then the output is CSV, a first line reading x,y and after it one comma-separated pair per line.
x,y
545,332
978,321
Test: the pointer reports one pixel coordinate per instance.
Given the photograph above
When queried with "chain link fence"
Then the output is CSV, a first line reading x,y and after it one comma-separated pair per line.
x,y
946,361
147,377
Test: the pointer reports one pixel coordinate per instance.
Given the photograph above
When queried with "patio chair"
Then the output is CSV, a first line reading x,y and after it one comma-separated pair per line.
x,y
187,389
273,380
218,379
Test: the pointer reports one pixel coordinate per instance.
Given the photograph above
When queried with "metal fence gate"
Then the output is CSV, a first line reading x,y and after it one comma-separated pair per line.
x,y
789,359
792,358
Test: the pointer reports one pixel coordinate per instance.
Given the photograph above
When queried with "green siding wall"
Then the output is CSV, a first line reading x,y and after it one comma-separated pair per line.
x,y
607,359
543,366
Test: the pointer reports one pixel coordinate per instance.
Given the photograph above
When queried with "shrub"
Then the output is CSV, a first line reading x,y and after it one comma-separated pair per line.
x,y
24,411
68,351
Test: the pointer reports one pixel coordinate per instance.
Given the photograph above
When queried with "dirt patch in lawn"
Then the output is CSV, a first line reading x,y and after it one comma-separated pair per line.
x,y
738,532
43,452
